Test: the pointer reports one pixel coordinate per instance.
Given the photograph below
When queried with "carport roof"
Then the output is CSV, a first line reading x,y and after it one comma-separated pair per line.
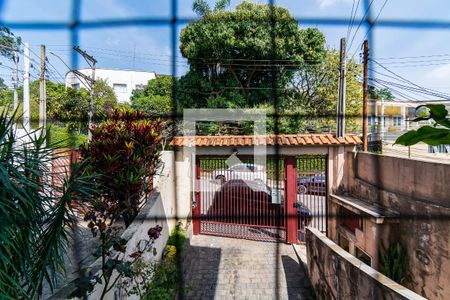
x,y
270,140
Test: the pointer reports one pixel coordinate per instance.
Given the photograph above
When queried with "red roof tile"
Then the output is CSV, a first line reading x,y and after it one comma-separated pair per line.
x,y
250,140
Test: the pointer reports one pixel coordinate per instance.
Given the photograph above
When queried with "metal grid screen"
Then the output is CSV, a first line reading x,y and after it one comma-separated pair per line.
x,y
369,22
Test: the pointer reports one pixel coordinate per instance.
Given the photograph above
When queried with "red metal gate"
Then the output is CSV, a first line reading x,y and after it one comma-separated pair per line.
x,y
247,200
312,186
244,200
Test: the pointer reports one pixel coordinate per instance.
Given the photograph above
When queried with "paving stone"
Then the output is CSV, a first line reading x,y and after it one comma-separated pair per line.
x,y
226,268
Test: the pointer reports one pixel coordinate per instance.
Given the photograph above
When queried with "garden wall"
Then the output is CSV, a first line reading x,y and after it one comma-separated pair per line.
x,y
336,274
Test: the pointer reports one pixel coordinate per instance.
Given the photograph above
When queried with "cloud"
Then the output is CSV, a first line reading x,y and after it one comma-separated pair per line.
x,y
328,3
440,73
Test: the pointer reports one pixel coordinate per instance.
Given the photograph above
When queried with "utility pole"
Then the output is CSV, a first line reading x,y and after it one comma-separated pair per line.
x,y
365,93
26,87
43,93
16,79
340,124
91,81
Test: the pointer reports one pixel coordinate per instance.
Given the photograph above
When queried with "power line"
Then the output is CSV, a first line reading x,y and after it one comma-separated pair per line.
x,y
352,19
169,57
359,25
372,25
408,81
389,76
409,88
411,57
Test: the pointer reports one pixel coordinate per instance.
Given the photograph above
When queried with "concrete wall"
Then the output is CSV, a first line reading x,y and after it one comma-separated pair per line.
x,y
420,193
173,181
336,274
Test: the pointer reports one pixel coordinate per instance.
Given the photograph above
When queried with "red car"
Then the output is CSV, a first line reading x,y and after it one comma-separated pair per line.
x,y
247,202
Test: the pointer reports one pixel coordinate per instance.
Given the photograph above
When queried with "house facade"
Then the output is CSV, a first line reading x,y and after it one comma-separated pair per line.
x,y
122,81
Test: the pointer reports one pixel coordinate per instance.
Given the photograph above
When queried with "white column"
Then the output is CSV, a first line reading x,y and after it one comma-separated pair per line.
x,y
403,112
26,87
383,128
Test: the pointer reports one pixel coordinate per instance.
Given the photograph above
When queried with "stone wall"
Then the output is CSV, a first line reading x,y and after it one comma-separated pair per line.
x,y
336,274
419,191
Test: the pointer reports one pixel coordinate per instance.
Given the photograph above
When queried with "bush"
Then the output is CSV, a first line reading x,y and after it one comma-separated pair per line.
x,y
165,279
177,238
124,151
394,262
164,282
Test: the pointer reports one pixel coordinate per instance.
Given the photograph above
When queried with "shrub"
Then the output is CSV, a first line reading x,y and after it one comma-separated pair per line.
x,y
36,218
177,238
394,262
124,151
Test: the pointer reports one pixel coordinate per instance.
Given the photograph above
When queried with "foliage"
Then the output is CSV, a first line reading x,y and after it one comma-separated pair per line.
x,y
156,97
177,238
72,106
36,218
6,95
384,93
157,280
125,151
201,7
230,54
65,138
316,91
9,41
164,283
437,134
65,104
394,262
115,264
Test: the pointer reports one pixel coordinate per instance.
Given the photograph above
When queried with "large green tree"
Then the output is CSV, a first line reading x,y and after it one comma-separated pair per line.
x,y
245,57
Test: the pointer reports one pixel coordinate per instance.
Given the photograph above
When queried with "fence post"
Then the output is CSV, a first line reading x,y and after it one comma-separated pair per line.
x,y
196,200
291,200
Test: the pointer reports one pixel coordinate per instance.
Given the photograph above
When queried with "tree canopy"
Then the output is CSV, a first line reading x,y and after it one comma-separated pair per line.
x,y
9,42
258,57
155,97
237,57
383,93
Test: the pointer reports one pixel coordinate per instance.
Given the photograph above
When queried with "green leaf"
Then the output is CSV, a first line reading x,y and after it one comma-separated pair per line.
x,y
427,134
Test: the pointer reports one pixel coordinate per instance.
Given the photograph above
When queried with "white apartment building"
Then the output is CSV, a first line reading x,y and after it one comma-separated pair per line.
x,y
122,81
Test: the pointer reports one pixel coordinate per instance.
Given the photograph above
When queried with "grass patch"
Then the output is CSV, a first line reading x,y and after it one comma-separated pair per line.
x,y
64,138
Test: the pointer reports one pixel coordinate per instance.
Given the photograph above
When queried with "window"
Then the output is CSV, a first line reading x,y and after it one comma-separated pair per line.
x,y
120,87
363,256
76,86
372,120
397,121
350,220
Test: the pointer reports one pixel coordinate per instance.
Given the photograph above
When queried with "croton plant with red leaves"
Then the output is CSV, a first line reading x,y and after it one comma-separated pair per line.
x,y
124,152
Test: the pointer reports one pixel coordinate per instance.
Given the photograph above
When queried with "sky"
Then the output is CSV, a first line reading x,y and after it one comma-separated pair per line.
x,y
417,54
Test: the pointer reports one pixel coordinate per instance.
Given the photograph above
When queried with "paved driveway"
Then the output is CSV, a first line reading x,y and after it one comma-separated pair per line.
x,y
227,268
